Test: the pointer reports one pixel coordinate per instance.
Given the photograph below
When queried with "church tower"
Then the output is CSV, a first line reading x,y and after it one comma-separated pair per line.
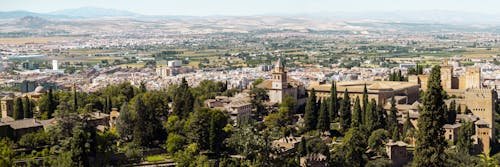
x,y
279,76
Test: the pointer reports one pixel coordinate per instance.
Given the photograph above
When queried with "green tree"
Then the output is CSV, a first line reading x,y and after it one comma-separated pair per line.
x,y
345,112
142,87
407,126
27,107
259,96
78,152
18,109
206,129
370,117
124,123
75,99
452,112
431,144
310,115
354,148
356,114
377,139
143,130
365,106
174,143
323,118
381,117
6,152
464,140
332,106
302,149
183,100
392,120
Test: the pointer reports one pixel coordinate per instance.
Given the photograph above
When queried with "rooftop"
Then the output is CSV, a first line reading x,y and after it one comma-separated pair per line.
x,y
371,86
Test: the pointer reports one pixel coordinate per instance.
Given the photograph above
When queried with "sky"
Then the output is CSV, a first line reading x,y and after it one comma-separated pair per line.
x,y
255,7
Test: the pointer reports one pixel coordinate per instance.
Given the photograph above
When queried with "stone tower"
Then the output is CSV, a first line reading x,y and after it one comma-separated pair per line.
x,y
446,75
279,76
482,103
279,83
472,77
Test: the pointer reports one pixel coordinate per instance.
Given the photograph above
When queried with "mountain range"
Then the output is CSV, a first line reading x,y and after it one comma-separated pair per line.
x,y
433,16
83,12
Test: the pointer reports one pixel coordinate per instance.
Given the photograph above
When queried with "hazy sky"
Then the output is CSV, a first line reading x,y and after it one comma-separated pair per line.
x,y
254,7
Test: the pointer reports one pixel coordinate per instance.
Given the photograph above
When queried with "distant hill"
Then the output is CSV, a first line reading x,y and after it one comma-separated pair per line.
x,y
33,22
92,12
84,12
21,14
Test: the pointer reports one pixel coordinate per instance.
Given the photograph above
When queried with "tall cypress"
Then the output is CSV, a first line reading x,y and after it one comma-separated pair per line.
x,y
143,131
364,105
75,99
18,109
392,120
381,116
345,112
452,112
310,112
430,146
52,103
356,114
323,118
27,108
332,106
407,125
464,140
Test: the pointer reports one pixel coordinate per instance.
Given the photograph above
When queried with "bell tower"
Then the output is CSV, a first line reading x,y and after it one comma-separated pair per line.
x,y
279,76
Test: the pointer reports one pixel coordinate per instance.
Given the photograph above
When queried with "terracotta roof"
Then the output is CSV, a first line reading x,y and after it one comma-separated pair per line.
x,y
23,123
372,86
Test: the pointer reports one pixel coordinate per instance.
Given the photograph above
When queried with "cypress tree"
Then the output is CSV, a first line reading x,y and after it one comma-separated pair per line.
x,y
369,118
395,134
18,109
143,131
345,112
381,117
75,99
332,106
183,100
323,118
392,120
464,140
356,114
28,113
302,147
105,107
452,112
78,154
110,104
52,103
365,105
399,76
124,123
310,112
431,144
212,135
407,125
